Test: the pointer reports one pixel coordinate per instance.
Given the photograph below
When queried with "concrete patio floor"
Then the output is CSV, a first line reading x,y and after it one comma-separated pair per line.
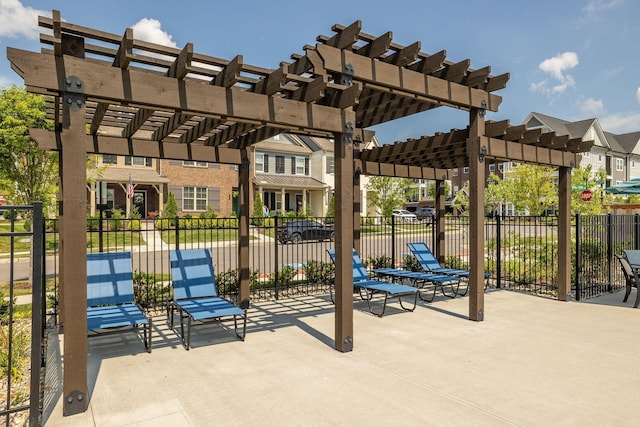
x,y
532,362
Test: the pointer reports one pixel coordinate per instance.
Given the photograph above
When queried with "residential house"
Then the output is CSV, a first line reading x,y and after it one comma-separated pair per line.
x,y
109,181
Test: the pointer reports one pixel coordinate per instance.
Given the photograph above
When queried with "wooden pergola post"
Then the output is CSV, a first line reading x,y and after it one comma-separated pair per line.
x,y
344,239
477,180
244,185
74,246
564,233
440,220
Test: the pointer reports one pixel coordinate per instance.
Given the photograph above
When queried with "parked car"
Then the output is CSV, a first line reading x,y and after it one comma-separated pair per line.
x,y
305,229
404,215
426,213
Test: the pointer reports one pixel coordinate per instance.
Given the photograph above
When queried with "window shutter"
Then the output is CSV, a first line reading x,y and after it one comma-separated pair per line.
x,y
213,198
147,161
128,160
306,166
293,166
265,168
327,165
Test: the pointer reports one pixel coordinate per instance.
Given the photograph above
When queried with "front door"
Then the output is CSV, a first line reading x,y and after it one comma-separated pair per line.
x,y
140,203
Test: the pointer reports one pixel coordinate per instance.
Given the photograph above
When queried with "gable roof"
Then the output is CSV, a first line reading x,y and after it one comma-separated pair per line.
x,y
628,141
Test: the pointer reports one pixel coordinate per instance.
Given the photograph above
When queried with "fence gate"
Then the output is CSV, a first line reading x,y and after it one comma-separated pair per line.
x,y
22,353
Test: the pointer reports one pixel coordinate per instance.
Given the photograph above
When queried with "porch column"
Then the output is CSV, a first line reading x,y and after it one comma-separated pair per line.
x,y
564,233
283,208
92,198
477,179
343,148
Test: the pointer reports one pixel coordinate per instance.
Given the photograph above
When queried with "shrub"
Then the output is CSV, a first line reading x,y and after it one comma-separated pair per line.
x,y
318,271
147,289
411,263
5,307
117,220
286,275
134,225
93,223
171,207
20,350
380,262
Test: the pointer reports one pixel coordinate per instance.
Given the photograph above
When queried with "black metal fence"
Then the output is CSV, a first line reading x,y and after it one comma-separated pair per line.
x,y
21,325
521,253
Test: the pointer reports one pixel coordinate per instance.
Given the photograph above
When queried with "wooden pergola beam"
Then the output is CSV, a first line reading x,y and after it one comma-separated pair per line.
x,y
116,146
166,93
372,71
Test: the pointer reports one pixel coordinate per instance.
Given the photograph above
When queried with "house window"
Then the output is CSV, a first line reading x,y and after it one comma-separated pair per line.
x,y
108,159
137,161
455,172
501,166
633,163
330,165
587,154
190,163
466,169
600,158
259,162
194,198
619,164
299,165
279,164
492,167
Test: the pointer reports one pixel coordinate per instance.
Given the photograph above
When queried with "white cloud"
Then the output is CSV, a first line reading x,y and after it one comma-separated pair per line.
x,y
556,67
621,122
590,107
150,30
597,6
18,20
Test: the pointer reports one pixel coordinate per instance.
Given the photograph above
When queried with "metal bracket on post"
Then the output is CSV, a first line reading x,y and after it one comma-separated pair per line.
x,y
73,94
347,133
74,403
483,152
483,108
346,78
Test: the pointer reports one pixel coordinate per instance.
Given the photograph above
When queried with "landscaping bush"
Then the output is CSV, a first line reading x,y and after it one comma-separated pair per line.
x,y
318,271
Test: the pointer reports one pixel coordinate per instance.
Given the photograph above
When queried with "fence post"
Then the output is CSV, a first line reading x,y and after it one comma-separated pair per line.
x,y
276,257
177,233
498,252
37,325
393,239
609,251
636,231
578,257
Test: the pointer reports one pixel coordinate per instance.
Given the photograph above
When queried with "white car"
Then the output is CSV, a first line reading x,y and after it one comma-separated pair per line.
x,y
404,215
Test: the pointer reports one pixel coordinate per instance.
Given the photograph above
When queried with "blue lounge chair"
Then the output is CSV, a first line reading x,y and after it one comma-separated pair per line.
x,y
195,295
368,287
111,306
422,280
430,264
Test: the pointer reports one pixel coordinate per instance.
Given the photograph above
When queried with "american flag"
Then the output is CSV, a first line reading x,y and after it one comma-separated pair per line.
x,y
130,188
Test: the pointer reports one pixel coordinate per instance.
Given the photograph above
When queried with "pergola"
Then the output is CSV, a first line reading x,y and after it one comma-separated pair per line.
x,y
112,94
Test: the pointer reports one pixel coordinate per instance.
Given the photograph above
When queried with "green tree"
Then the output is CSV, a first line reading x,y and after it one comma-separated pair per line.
x,y
431,189
30,174
330,217
494,194
583,179
171,207
387,193
531,188
258,210
461,199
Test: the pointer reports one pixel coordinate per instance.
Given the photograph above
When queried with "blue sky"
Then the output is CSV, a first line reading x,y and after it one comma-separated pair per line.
x,y
571,59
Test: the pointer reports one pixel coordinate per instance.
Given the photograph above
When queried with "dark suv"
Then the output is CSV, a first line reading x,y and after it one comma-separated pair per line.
x,y
305,229
426,213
